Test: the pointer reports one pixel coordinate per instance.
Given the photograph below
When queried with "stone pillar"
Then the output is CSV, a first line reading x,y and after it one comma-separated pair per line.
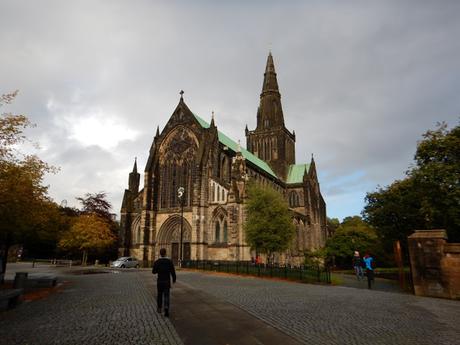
x,y
426,250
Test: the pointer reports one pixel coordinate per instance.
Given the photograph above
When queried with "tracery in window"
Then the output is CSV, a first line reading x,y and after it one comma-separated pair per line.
x,y
177,154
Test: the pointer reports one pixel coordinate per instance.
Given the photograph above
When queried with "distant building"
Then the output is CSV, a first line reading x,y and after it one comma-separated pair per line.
x,y
214,171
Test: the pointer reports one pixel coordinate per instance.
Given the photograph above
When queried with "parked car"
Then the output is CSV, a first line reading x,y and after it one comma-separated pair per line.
x,y
125,262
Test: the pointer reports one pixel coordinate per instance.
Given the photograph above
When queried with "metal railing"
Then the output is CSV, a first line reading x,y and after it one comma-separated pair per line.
x,y
308,274
56,262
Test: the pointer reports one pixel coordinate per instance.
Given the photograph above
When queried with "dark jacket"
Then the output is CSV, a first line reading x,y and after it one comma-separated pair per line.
x,y
164,267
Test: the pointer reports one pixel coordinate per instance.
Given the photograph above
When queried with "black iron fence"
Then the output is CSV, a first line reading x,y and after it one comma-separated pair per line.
x,y
308,274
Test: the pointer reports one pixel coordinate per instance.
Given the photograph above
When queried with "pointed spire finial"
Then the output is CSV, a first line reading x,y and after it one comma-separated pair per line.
x,y
212,119
270,67
238,147
158,131
135,165
181,95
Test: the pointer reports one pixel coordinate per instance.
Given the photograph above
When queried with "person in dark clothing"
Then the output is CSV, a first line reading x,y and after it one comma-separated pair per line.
x,y
164,267
358,266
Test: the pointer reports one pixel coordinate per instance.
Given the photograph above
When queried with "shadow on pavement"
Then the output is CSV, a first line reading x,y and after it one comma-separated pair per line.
x,y
201,319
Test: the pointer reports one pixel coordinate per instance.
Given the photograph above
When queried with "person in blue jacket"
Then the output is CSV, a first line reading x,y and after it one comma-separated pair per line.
x,y
369,262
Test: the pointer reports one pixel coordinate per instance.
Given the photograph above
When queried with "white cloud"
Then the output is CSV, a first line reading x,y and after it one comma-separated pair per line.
x,y
100,130
90,126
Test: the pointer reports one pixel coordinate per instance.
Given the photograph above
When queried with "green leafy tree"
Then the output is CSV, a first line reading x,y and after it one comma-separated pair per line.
x,y
428,198
268,226
23,195
352,234
89,233
332,225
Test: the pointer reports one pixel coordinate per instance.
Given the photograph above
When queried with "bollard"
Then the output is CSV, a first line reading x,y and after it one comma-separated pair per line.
x,y
20,280
96,263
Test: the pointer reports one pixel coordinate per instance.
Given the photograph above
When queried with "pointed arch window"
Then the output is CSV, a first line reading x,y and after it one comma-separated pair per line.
x,y
221,230
294,199
217,232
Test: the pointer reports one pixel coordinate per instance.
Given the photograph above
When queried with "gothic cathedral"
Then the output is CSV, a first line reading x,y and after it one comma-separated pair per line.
x,y
214,171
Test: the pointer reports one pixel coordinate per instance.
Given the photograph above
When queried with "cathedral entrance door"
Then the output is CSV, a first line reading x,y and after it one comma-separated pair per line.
x,y
175,253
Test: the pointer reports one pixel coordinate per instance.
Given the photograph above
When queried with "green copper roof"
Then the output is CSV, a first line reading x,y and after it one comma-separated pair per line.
x,y
234,147
295,173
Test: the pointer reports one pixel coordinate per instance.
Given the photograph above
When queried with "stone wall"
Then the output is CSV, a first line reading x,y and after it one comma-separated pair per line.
x,y
435,264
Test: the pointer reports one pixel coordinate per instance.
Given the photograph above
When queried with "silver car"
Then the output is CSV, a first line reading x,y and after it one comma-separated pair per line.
x,y
125,262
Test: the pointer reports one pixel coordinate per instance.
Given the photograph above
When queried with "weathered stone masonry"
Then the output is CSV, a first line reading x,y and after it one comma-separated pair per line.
x,y
214,170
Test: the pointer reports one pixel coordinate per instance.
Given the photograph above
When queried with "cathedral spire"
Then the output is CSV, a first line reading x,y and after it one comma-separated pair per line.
x,y
135,165
312,169
270,112
134,177
271,141
270,81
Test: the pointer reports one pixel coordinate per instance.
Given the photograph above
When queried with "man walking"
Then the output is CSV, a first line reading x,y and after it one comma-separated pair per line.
x,y
165,270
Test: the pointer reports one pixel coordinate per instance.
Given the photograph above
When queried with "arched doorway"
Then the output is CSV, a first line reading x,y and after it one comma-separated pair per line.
x,y
169,238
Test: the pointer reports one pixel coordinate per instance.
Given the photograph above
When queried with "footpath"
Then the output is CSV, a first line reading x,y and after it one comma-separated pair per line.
x,y
202,319
117,307
380,284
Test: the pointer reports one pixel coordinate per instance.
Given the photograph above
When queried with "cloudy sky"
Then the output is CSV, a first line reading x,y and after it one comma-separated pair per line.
x,y
361,81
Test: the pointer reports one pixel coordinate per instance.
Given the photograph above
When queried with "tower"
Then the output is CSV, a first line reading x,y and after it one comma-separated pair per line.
x,y
134,177
271,140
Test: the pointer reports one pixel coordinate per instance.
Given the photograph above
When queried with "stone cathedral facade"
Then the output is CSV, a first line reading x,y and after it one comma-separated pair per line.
x,y
214,171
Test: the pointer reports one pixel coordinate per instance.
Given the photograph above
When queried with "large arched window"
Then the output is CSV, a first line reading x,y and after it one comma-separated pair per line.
x,y
177,153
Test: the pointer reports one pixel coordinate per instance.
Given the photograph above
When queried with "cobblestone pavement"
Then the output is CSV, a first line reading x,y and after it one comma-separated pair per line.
x,y
316,314
95,309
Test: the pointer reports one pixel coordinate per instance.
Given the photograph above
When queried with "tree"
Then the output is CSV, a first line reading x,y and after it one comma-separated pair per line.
x,y
332,225
89,233
428,198
23,195
268,226
96,203
352,234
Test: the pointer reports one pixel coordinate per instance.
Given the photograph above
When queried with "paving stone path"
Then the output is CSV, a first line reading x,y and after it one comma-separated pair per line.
x,y
316,314
96,309
120,309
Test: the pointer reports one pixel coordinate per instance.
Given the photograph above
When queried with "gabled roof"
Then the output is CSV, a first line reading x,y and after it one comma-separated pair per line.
x,y
296,172
232,145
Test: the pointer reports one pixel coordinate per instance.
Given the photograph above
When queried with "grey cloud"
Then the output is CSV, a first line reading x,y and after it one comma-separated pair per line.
x,y
360,81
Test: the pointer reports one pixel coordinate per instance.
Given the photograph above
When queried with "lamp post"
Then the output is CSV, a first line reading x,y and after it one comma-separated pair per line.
x,y
180,195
